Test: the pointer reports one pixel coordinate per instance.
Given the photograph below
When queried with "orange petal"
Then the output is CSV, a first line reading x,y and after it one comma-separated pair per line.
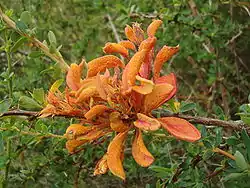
x,y
110,48
138,32
180,128
127,44
101,83
92,135
116,123
130,34
74,130
139,151
86,94
152,28
102,63
102,166
163,55
95,111
146,86
74,76
157,97
147,44
131,70
146,123
71,145
115,150
168,79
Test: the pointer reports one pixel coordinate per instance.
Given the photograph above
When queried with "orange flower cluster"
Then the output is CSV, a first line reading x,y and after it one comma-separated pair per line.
x,y
118,97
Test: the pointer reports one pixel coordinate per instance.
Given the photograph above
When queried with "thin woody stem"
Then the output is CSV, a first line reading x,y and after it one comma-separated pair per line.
x,y
218,150
234,125
32,133
54,56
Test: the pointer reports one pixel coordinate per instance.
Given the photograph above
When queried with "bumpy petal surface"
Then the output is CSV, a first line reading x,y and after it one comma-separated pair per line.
x,y
146,123
86,94
74,76
152,28
102,63
162,56
128,44
71,145
139,151
110,48
95,111
130,34
75,130
180,128
114,158
157,97
131,70
116,123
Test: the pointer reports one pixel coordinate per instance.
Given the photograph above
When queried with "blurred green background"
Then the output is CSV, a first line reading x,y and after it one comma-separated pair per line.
x,y
212,67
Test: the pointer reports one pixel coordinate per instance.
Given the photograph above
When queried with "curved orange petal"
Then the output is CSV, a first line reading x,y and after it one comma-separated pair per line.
x,y
102,63
130,34
71,145
73,76
157,97
131,70
146,123
102,166
147,44
115,150
139,151
74,130
152,28
180,128
116,123
146,86
168,79
110,48
95,111
128,44
162,56
138,32
86,94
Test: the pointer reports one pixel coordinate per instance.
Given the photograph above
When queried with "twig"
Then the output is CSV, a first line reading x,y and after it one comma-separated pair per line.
x,y
113,28
234,125
234,38
32,133
54,56
218,150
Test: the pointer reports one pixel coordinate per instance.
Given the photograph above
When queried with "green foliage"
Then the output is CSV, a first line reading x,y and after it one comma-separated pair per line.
x,y
213,77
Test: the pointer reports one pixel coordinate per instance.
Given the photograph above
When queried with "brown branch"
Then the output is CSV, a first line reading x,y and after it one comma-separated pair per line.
x,y
54,56
234,125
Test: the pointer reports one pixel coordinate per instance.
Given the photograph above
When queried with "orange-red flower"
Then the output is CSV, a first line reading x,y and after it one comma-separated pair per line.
x,y
119,97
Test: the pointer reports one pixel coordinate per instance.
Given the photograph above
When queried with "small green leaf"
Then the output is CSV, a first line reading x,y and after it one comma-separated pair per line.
x,y
187,107
52,37
39,95
233,176
21,26
240,161
29,103
246,141
18,44
3,161
35,54
56,85
26,17
5,105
